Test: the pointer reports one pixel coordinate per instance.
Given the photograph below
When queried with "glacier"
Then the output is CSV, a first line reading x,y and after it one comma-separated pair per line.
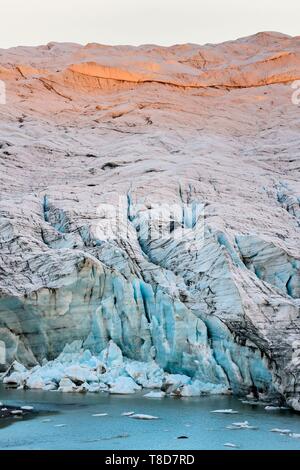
x,y
149,224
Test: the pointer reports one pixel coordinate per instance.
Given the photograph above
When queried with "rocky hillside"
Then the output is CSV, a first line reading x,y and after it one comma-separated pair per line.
x,y
213,294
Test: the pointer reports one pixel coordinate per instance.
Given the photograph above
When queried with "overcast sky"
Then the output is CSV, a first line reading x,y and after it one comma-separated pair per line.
x,y
32,22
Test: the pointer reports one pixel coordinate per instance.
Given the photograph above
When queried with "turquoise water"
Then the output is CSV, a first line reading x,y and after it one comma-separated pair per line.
x,y
190,417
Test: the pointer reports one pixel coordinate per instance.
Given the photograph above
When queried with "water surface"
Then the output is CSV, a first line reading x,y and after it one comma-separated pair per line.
x,y
190,417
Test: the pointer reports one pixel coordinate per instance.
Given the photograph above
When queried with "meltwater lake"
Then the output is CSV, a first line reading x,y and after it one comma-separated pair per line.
x,y
66,421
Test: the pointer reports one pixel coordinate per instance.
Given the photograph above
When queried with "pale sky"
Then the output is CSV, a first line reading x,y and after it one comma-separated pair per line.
x,y
166,22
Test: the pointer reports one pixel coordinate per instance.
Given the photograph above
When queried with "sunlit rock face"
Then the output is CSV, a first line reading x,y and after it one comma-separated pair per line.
x,y
212,295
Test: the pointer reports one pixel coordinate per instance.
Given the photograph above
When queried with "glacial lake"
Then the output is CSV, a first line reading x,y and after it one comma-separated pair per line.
x,y
189,417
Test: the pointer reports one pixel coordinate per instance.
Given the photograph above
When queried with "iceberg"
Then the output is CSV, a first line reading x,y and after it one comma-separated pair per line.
x,y
123,386
155,394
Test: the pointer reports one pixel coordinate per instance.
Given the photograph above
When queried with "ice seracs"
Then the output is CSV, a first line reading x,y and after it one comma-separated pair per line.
x,y
66,385
80,374
124,385
78,370
210,294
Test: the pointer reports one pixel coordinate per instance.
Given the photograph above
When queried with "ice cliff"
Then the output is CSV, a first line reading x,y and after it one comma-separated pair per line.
x,y
212,296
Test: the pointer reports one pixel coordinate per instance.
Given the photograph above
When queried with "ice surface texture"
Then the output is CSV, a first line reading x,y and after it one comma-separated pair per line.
x,y
185,125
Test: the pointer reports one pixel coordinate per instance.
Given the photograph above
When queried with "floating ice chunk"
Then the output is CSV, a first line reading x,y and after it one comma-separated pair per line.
x,y
92,388
272,408
190,390
47,420
59,425
51,372
142,416
295,435
174,384
230,444
226,411
111,375
80,374
16,412
253,402
100,414
281,431
27,408
146,374
153,394
50,386
136,370
241,425
197,388
177,379
103,387
127,413
84,387
124,386
34,381
66,385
